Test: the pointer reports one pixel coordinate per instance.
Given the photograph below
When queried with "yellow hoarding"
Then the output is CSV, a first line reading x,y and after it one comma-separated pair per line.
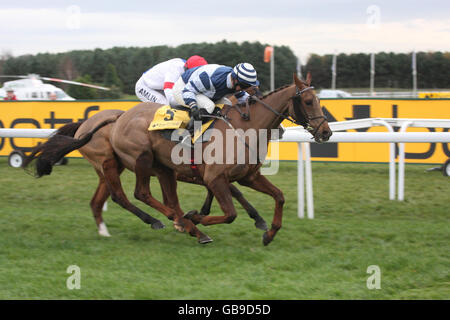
x,y
351,109
47,115
50,114
434,95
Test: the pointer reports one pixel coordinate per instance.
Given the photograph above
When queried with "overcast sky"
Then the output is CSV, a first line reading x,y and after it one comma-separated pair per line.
x,y
307,27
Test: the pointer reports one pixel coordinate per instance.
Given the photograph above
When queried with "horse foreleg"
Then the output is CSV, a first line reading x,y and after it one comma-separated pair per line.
x,y
251,211
144,169
97,202
220,188
110,171
260,183
168,184
206,208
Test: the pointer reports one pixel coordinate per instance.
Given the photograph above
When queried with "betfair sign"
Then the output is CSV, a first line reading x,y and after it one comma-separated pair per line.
x,y
52,115
351,109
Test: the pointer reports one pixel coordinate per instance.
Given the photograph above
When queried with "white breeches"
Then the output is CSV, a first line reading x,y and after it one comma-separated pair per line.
x,y
203,101
147,94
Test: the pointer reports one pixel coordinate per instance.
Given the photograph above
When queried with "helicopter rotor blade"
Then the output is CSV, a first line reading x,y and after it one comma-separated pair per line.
x,y
33,76
75,82
21,77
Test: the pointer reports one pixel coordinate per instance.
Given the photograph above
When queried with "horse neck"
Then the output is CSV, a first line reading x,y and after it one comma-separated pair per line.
x,y
278,100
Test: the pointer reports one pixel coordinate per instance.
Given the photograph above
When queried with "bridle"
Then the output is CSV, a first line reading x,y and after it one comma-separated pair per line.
x,y
300,114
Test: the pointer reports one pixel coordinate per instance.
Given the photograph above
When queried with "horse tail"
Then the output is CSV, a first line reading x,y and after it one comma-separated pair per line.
x,y
69,129
60,143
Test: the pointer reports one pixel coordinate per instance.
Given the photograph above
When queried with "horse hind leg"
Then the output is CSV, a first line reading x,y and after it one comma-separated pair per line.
x,y
143,172
111,173
97,202
168,203
206,208
168,184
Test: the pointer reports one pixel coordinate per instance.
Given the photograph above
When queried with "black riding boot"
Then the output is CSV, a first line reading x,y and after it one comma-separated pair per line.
x,y
190,125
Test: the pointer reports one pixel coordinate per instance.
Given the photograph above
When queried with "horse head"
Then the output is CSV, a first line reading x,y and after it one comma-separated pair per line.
x,y
306,110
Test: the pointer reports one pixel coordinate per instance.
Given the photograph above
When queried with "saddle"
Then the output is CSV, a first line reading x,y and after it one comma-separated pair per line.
x,y
172,121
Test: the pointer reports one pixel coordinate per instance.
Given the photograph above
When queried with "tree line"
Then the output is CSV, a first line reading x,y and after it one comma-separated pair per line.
x,y
120,67
392,70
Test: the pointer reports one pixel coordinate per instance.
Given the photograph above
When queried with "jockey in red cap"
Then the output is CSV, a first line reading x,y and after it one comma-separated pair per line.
x,y
155,85
195,61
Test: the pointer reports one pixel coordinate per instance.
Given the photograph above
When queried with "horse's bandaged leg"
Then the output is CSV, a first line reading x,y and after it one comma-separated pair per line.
x,y
103,230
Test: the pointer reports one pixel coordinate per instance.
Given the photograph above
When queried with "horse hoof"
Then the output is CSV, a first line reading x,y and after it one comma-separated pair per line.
x,y
189,214
262,225
204,240
103,230
266,239
179,226
158,225
104,234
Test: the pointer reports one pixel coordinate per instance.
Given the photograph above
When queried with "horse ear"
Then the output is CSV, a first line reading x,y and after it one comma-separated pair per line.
x,y
308,79
299,83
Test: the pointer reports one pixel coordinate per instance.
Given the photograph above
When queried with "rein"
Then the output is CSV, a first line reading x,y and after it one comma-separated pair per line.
x,y
299,113
244,115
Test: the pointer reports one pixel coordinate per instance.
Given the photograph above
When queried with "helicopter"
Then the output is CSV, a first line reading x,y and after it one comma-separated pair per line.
x,y
32,87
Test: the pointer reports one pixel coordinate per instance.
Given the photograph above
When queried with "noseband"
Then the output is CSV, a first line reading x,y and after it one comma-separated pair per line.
x,y
300,114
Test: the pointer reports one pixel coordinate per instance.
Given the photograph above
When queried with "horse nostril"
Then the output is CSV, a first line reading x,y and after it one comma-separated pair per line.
x,y
326,134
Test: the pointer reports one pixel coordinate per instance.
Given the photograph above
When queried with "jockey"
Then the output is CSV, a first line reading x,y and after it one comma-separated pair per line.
x,y
156,84
200,88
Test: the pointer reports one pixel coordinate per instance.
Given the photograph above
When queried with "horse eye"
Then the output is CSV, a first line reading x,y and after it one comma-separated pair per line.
x,y
308,102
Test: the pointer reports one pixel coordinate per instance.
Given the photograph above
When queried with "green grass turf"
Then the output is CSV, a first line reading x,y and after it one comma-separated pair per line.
x,y
46,225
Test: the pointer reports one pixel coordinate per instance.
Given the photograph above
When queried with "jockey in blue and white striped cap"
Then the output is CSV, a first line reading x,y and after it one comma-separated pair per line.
x,y
245,74
199,88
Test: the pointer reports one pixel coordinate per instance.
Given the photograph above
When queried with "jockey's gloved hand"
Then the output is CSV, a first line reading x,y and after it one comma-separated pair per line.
x,y
195,113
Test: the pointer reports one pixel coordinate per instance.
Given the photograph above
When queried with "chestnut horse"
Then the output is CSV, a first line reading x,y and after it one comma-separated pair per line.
x,y
98,151
148,153
144,152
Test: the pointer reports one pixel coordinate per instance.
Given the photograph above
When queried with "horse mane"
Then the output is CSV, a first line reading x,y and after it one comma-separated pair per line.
x,y
276,90
270,93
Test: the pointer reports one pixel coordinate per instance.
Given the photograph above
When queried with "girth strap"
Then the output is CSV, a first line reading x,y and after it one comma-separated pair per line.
x,y
194,167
